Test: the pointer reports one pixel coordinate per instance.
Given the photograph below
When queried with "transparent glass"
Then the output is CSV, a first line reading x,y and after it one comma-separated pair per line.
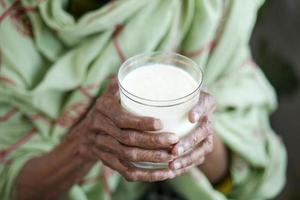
x,y
172,112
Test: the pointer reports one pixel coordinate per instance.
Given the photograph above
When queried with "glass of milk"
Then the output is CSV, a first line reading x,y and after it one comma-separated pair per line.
x,y
165,86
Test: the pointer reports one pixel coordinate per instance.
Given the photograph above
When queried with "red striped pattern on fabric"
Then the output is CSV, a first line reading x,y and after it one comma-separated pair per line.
x,y
86,92
73,113
21,21
25,138
92,86
212,44
206,48
10,9
7,80
8,115
23,11
17,12
40,117
118,30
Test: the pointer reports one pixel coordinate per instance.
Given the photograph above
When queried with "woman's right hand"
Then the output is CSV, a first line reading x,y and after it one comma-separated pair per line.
x,y
107,133
118,138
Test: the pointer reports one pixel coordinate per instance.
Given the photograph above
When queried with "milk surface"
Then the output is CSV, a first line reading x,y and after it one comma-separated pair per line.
x,y
161,82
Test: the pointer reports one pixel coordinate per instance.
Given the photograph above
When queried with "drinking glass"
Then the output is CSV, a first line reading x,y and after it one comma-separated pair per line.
x,y
172,112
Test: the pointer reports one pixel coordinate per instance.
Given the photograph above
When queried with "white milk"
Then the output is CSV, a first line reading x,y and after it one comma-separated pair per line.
x,y
161,82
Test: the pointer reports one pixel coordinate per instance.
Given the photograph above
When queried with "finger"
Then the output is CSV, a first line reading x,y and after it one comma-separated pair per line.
x,y
190,141
108,143
146,175
131,173
187,160
127,120
196,157
111,108
183,170
100,123
110,160
206,104
147,140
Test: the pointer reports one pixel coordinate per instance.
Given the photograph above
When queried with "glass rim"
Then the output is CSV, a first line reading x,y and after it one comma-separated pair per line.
x,y
159,53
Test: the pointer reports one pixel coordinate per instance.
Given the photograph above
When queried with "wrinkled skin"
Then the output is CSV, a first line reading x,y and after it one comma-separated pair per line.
x,y
117,138
121,139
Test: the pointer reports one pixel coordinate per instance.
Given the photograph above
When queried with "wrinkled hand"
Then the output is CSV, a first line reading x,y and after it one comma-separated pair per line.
x,y
120,139
192,148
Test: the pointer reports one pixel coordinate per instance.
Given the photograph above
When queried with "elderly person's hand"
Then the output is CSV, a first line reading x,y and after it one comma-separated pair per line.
x,y
202,147
107,133
192,149
120,139
117,138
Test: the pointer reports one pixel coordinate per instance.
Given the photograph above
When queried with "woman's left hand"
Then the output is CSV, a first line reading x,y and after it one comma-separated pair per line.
x,y
192,149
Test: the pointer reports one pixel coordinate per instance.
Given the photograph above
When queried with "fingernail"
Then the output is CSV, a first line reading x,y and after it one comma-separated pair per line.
x,y
173,139
177,165
157,125
180,150
197,116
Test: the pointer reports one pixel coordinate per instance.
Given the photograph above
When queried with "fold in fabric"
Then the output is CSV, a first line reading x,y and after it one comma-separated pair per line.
x,y
53,66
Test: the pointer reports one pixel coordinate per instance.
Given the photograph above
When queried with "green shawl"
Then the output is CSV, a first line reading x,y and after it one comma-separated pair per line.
x,y
53,66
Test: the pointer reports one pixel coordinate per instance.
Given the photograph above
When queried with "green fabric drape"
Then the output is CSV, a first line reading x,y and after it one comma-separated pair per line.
x,y
53,66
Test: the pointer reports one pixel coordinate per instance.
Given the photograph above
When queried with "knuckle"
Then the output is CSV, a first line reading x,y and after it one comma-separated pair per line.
x,y
119,119
194,139
157,156
126,137
208,129
158,139
130,154
189,160
123,137
103,103
132,137
141,124
195,156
